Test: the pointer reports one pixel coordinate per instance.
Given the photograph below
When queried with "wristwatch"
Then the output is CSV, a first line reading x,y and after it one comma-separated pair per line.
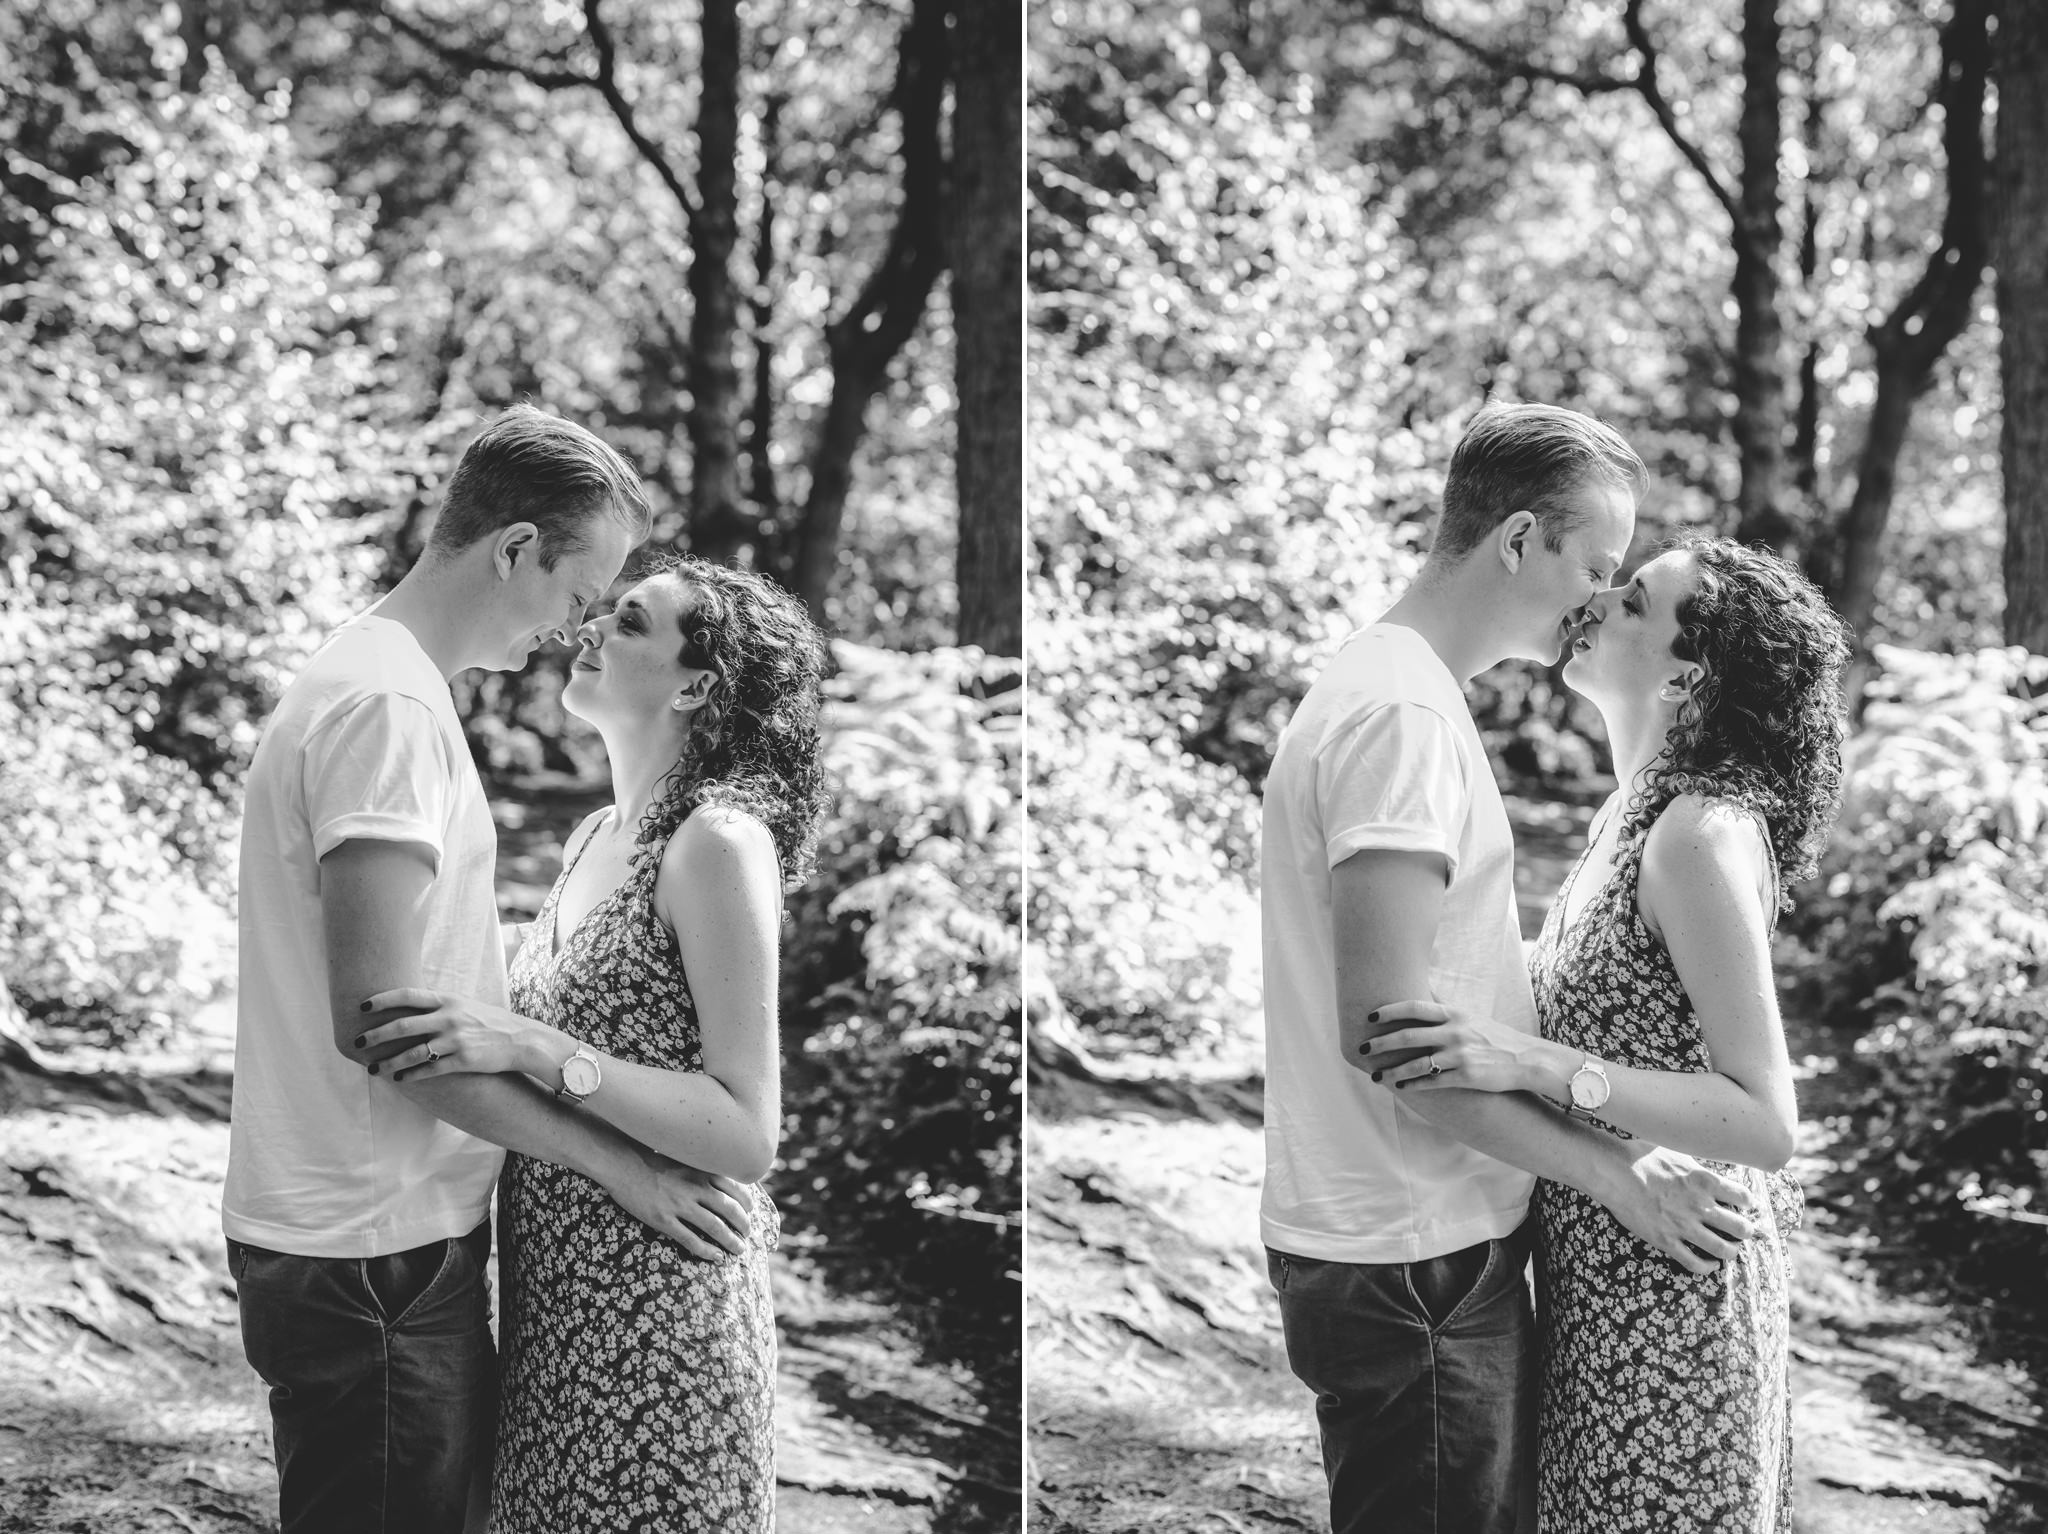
x,y
1589,1088
580,1076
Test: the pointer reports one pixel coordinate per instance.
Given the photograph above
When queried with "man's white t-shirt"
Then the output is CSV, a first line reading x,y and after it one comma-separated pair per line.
x,y
324,1159
1382,753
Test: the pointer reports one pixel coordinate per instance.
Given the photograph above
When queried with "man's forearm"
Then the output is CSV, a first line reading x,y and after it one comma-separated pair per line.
x,y
519,1114
1526,1133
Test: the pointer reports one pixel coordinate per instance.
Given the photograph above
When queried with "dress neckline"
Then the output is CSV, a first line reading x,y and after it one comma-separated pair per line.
x,y
557,945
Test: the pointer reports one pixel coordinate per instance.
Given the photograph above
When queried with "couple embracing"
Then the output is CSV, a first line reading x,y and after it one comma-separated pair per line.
x,y
394,1042
1620,1106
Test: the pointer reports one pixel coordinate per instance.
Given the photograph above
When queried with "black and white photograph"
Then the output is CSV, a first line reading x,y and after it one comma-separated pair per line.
x,y
511,681
1536,766
1095,766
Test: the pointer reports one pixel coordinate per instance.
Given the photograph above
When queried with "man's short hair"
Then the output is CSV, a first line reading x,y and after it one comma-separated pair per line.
x,y
1529,458
529,466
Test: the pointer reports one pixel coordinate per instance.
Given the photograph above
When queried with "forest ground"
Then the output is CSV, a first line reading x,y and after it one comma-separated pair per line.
x,y
1160,1394
125,1402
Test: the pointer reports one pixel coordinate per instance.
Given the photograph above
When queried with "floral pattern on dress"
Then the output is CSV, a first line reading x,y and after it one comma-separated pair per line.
x,y
638,1382
1665,1405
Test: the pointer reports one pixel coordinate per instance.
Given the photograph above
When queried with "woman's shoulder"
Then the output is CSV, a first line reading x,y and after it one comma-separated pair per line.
x,y
1698,830
715,840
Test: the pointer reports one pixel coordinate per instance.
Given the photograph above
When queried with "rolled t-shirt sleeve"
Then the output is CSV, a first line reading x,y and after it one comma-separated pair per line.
x,y
378,771
1394,780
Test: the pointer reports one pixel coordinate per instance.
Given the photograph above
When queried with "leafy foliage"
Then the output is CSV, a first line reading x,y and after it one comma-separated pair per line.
x,y
903,977
100,919
1932,915
1222,476
191,428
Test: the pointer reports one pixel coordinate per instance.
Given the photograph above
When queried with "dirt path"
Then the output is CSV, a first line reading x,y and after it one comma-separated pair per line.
x,y
1160,1395
126,1405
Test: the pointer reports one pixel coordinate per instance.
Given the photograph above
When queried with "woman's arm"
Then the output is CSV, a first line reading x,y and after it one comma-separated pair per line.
x,y
1705,883
719,889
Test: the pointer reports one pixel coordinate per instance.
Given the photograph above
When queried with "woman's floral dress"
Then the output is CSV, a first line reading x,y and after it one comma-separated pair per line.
x,y
638,1381
1664,1404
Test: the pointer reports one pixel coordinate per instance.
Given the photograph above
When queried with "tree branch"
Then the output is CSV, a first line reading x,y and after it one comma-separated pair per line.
x,y
1942,300
478,62
1647,87
604,82
607,84
1591,83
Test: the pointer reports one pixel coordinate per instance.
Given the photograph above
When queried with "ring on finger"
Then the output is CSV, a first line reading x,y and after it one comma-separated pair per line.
x,y
432,1054
1434,1068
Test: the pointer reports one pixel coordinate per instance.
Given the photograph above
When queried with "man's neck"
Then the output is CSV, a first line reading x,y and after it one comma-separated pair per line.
x,y
431,603
1450,612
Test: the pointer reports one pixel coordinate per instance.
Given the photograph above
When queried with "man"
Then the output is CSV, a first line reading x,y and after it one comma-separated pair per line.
x,y
1396,1229
356,1207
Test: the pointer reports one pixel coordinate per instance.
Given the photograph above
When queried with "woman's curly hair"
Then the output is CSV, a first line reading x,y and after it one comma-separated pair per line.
x,y
754,744
1764,726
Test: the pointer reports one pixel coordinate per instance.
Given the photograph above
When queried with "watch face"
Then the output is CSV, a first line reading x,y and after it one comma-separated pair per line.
x,y
580,1075
1589,1089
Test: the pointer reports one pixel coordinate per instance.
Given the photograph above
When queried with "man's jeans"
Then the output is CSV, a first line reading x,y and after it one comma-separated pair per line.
x,y
382,1382
1425,1376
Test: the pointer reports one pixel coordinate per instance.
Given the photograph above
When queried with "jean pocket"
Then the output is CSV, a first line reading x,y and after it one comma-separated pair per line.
x,y
400,1282
1443,1286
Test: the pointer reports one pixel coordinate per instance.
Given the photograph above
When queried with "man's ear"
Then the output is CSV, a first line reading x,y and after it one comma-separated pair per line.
x,y
1514,537
512,545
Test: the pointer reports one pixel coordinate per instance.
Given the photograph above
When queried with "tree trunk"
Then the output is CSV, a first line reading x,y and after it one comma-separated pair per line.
x,y
863,341
762,486
197,30
988,326
720,523
1760,407
1937,310
2021,255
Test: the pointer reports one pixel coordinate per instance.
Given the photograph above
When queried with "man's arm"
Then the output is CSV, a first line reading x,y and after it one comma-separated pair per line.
x,y
373,897
1385,907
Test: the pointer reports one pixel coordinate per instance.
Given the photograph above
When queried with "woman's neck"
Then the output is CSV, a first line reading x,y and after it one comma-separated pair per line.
x,y
639,762
1636,741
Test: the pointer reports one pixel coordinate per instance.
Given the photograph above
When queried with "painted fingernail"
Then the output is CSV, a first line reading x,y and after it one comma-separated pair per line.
x,y
360,1038
364,1007
1377,1074
1365,1048
373,1070
1372,1017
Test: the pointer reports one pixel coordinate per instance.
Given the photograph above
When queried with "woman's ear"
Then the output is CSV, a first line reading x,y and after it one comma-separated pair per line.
x,y
694,694
1681,687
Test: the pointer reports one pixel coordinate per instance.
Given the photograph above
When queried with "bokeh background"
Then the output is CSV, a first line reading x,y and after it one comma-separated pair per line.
x,y
1281,251
263,271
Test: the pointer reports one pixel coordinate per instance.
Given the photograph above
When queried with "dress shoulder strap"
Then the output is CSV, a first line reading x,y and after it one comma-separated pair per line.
x,y
1632,851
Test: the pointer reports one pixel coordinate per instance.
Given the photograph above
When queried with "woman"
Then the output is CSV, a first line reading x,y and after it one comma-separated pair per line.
x,y
1717,671
638,1381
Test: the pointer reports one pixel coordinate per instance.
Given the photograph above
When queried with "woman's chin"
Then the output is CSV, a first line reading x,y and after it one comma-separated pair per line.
x,y
576,699
1574,675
